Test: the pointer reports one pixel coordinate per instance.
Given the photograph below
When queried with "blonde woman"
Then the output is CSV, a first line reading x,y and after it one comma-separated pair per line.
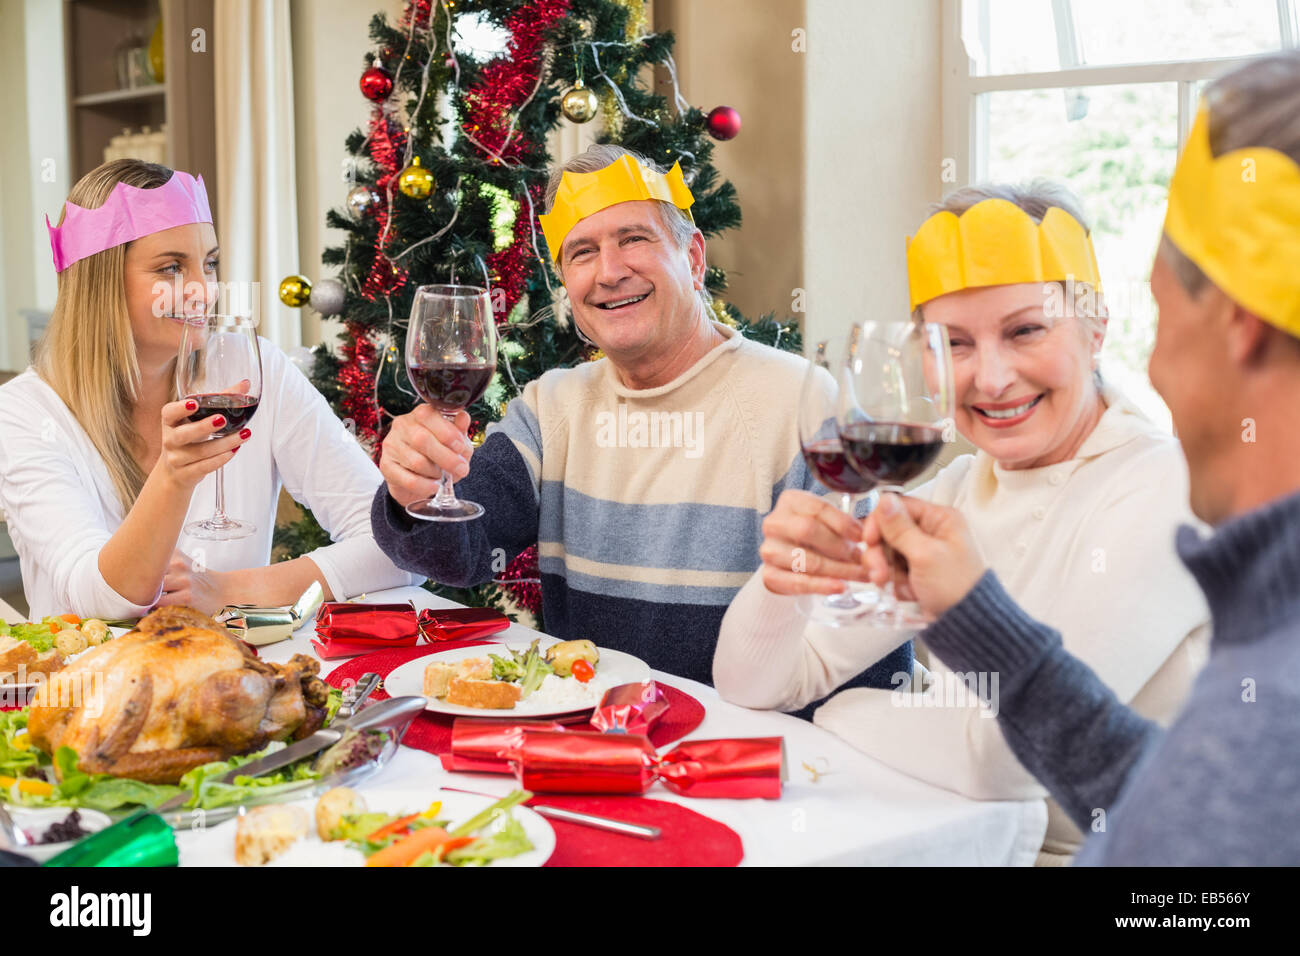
x,y
100,467
1073,497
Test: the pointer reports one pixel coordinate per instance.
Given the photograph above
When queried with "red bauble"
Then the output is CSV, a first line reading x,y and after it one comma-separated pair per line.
x,y
376,84
723,123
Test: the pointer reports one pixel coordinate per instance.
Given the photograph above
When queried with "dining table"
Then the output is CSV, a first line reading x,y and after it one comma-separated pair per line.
x,y
838,806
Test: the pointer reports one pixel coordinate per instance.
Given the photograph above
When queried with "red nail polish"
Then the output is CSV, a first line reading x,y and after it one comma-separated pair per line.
x,y
191,405
219,421
235,449
246,434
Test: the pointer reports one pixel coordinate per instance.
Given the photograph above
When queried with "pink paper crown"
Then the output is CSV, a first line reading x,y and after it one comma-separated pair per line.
x,y
129,213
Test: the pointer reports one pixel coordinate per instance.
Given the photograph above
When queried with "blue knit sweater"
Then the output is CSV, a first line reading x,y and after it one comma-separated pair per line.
x,y
1222,785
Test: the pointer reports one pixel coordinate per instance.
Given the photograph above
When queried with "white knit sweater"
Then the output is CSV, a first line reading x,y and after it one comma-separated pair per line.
x,y
1085,546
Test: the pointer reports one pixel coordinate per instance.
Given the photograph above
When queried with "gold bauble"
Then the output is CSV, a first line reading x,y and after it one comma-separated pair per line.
x,y
295,291
579,103
415,181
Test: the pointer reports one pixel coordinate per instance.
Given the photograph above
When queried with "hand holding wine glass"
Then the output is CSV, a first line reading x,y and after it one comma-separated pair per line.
x,y
188,452
943,560
219,371
450,360
817,540
897,413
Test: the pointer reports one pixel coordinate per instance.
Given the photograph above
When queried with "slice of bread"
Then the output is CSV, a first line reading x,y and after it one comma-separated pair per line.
x,y
47,663
263,833
436,678
13,654
488,694
474,668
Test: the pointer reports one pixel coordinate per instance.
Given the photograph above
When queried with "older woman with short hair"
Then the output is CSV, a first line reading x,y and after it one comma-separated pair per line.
x,y
1072,495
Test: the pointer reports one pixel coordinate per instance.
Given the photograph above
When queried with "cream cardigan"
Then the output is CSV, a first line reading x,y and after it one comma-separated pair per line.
x,y
1085,546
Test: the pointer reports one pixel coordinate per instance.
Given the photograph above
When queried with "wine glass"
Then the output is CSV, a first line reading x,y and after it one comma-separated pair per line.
x,y
896,415
451,356
823,452
220,367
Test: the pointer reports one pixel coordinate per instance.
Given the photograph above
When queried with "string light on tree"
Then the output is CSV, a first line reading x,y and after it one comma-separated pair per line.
x,y
723,123
295,291
376,84
415,181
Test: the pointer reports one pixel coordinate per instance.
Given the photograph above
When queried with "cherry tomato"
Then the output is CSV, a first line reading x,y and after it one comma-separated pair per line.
x,y
583,671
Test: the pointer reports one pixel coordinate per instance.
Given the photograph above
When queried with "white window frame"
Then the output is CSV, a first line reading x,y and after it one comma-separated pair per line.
x,y
965,116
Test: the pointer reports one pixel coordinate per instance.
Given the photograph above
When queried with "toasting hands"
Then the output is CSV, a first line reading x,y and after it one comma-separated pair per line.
x,y
809,546
943,560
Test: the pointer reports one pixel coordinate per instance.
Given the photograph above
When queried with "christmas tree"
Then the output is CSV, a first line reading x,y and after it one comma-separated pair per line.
x,y
449,177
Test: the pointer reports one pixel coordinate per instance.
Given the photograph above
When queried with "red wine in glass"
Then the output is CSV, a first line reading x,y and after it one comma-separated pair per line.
x,y
451,387
237,409
827,460
890,452
219,365
450,359
899,408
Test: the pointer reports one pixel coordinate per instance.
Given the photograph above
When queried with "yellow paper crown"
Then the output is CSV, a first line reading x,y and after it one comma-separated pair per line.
x,y
624,180
995,242
1237,216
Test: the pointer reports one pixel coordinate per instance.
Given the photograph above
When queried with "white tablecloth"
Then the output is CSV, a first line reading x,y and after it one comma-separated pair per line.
x,y
858,811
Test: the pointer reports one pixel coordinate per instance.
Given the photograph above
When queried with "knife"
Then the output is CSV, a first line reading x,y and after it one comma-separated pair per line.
x,y
641,830
397,711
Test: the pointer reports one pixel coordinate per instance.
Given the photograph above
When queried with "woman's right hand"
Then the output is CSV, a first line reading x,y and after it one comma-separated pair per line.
x,y
810,546
188,451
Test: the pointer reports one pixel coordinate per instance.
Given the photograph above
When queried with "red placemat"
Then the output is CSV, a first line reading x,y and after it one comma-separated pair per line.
x,y
432,732
689,838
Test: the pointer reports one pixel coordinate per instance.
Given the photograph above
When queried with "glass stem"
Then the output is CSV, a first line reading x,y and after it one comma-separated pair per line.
x,y
446,496
220,516
845,601
889,600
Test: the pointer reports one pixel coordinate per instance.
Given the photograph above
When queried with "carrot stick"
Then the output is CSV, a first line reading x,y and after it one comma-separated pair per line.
x,y
388,829
409,849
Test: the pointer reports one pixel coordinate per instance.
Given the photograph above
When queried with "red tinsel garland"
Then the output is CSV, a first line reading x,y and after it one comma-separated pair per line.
x,y
387,149
386,146
520,580
507,81
357,378
419,10
511,266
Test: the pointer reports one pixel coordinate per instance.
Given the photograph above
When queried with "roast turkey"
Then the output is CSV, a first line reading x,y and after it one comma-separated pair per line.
x,y
175,693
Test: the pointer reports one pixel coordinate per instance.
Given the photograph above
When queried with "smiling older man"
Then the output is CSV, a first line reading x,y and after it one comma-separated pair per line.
x,y
644,476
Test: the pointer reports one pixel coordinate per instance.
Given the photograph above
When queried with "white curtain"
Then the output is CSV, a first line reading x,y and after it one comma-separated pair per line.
x,y
257,207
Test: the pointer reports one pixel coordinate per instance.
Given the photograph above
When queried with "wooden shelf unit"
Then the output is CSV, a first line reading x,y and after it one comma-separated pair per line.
x,y
98,109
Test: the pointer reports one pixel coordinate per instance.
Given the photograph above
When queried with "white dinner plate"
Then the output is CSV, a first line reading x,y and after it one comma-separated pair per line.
x,y
215,846
613,668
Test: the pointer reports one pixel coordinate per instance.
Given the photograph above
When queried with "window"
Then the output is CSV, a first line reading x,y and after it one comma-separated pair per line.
x,y
1099,95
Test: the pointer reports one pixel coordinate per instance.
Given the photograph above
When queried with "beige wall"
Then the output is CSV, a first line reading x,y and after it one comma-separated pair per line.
x,y
738,53
33,164
330,39
873,147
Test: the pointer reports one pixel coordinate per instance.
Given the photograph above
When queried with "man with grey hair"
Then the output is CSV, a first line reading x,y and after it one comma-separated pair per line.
x,y
643,477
